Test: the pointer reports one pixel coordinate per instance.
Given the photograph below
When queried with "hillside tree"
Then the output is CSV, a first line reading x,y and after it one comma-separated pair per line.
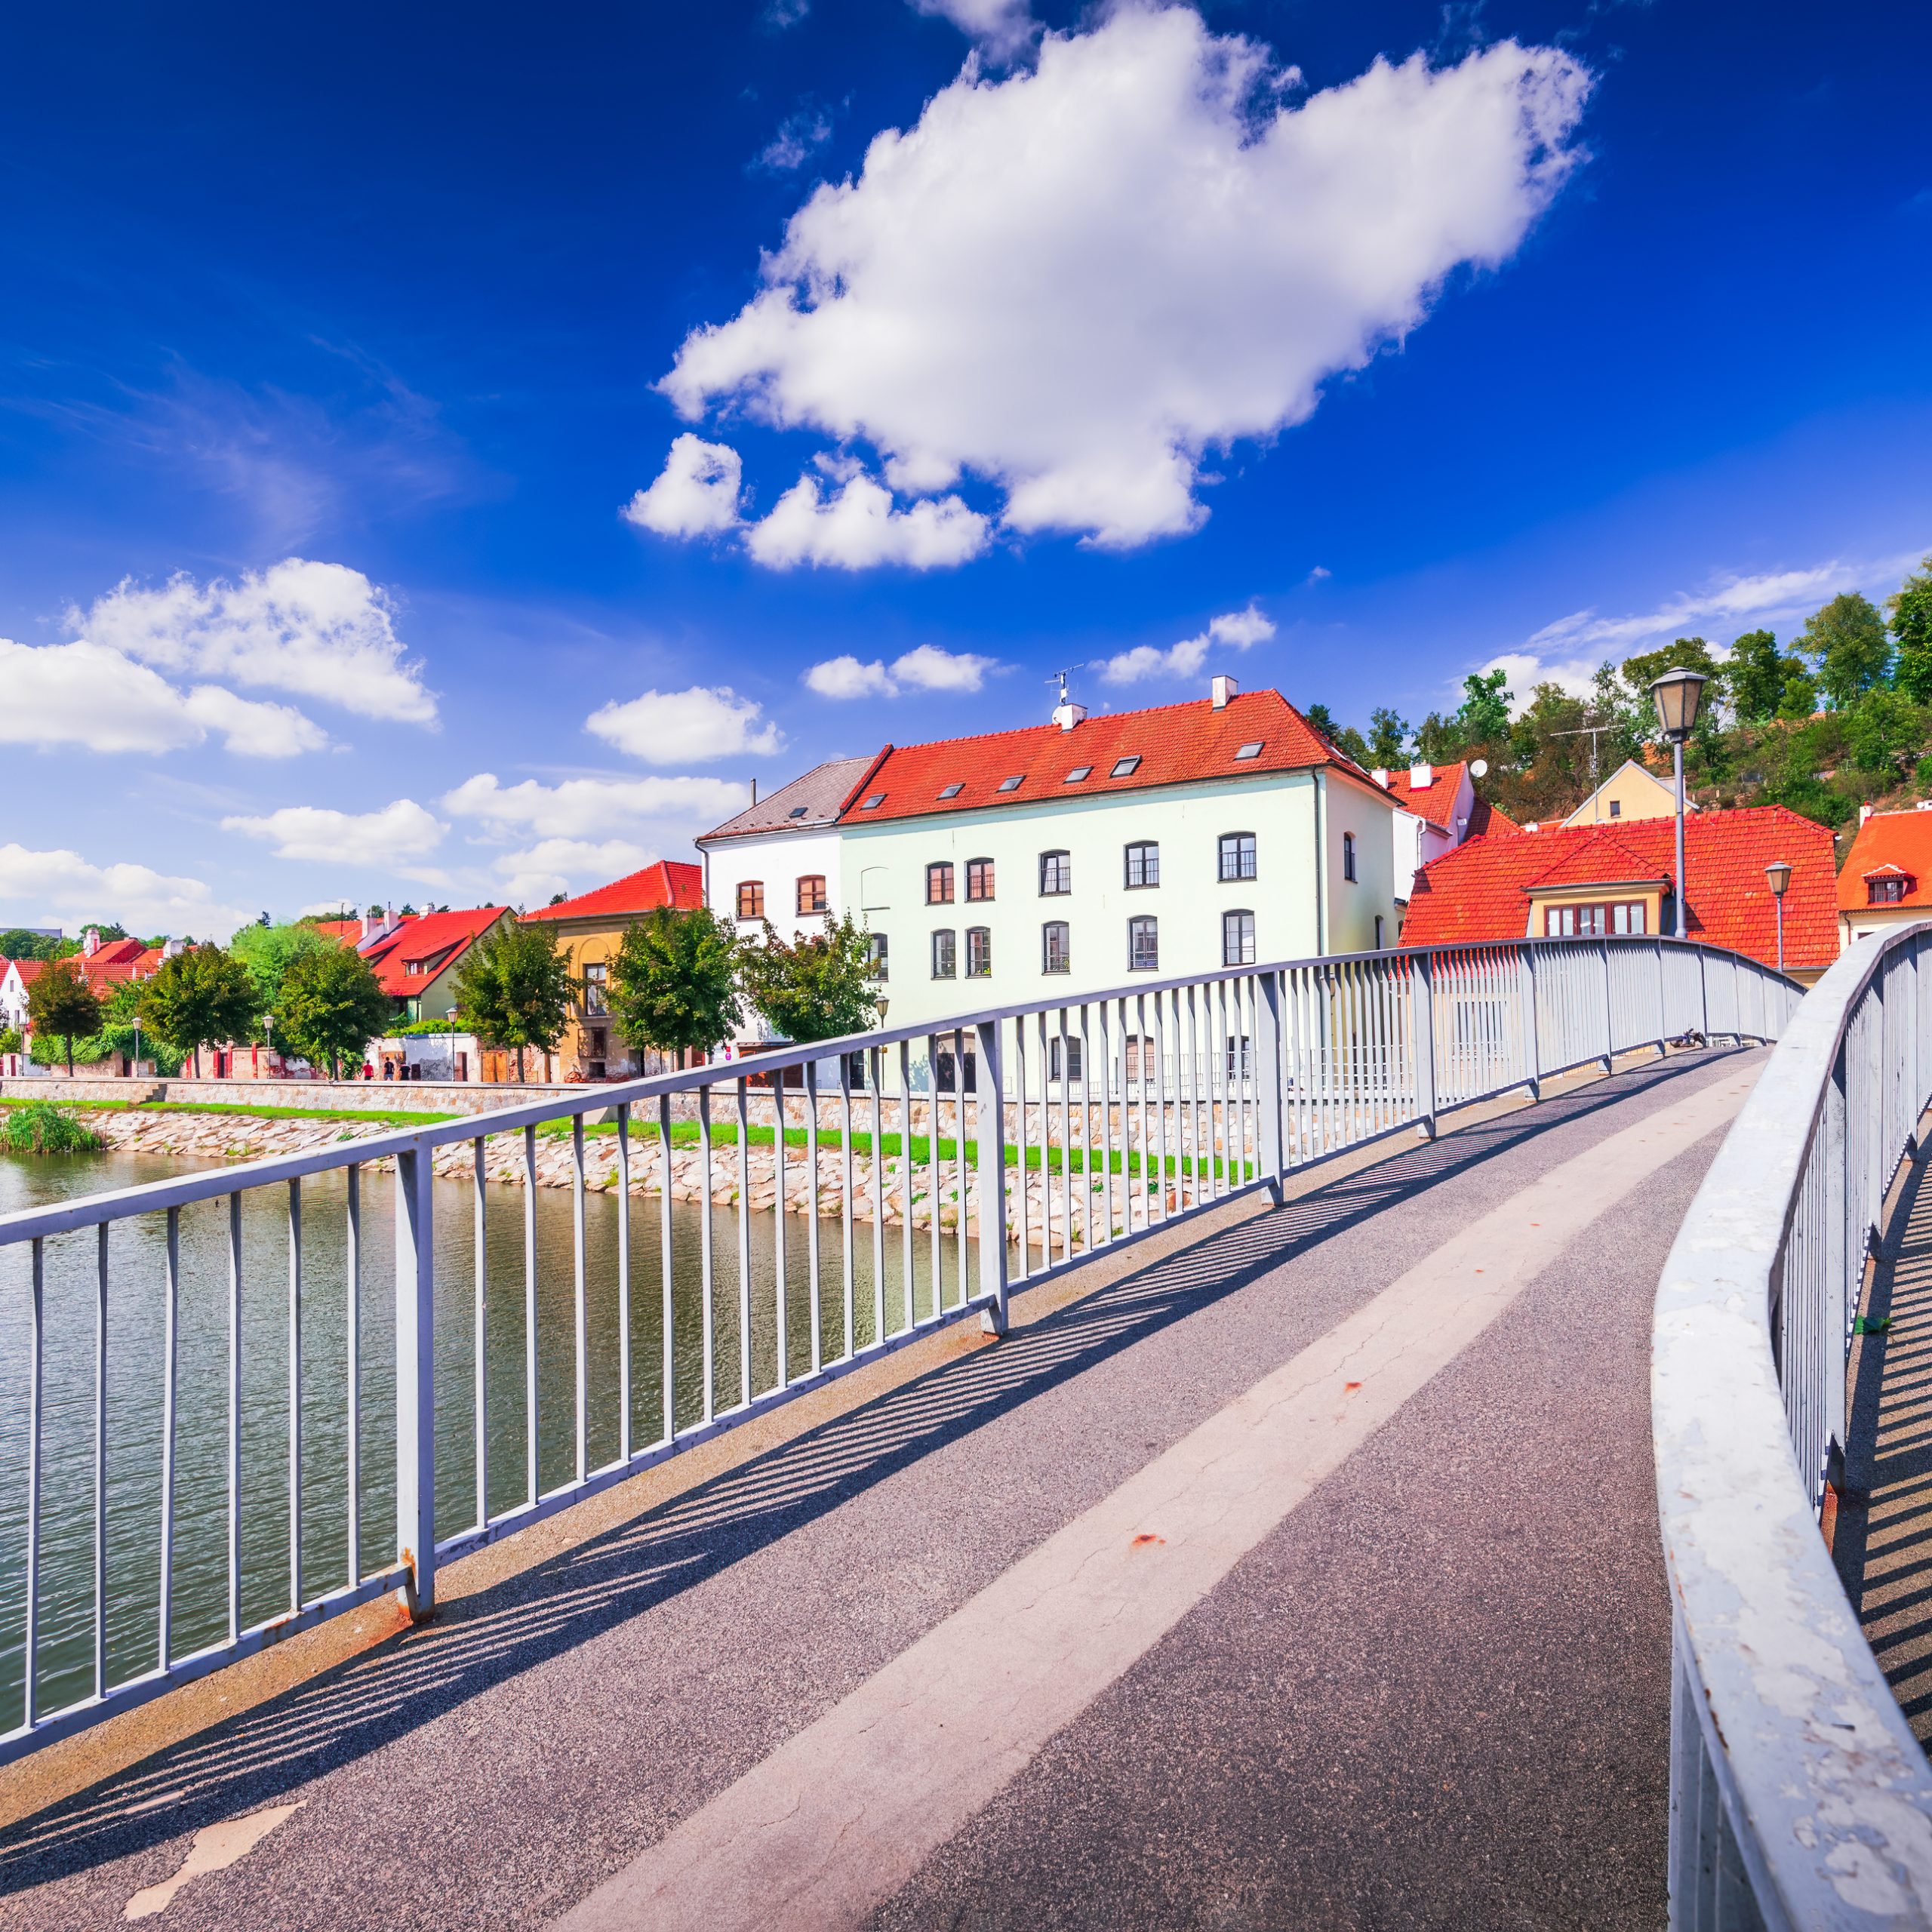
x,y
1910,610
1847,639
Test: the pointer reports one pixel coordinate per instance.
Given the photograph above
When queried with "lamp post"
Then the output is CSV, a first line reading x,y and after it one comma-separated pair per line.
x,y
1676,695
1779,873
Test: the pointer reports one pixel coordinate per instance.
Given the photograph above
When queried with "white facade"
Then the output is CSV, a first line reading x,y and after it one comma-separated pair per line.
x,y
786,867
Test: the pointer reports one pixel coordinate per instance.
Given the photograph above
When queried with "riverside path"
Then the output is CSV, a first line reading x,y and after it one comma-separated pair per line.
x,y
1300,1569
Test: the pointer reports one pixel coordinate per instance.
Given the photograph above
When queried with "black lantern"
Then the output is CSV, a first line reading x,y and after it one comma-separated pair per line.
x,y
1677,695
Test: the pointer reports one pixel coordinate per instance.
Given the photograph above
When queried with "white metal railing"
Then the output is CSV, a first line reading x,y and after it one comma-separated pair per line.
x,y
1799,1796
236,1418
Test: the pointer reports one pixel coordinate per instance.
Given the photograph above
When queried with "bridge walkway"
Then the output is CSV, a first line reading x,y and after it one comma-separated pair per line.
x,y
1304,1575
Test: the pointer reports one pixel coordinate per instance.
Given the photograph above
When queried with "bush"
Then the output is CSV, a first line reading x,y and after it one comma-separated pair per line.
x,y
38,1126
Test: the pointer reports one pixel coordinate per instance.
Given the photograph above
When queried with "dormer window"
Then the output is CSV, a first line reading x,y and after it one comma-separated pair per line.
x,y
1248,751
1078,772
953,791
1012,784
1125,767
1887,889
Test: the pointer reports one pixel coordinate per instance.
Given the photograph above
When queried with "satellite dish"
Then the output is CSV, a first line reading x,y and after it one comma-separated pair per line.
x,y
1480,769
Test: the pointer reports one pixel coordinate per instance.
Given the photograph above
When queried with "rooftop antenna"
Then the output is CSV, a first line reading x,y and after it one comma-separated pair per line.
x,y
1060,678
1592,732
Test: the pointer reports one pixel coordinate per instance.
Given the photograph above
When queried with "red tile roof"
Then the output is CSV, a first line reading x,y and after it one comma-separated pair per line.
x,y
113,951
1485,818
431,942
1173,743
1436,801
1895,841
1480,891
673,882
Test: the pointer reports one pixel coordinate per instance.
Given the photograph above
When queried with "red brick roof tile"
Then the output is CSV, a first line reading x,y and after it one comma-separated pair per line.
x,y
672,882
431,942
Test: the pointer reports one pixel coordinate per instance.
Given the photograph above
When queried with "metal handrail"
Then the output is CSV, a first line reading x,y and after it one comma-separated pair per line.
x,y
1190,1092
1799,1796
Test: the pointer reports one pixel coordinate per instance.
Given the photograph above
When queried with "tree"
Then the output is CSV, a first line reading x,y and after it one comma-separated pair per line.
x,y
674,983
1484,714
1388,738
1757,676
269,951
331,1005
1910,610
1345,738
62,1005
1847,639
201,997
1683,654
818,985
514,989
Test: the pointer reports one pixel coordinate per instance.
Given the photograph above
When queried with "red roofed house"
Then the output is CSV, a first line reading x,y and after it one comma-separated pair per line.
x,y
1887,879
591,928
1581,881
1440,809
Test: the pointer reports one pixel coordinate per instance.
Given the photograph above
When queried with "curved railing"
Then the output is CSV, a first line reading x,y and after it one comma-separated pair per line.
x,y
1799,1796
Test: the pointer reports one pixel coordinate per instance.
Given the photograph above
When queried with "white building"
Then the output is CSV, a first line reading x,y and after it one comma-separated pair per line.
x,y
1084,854
1439,809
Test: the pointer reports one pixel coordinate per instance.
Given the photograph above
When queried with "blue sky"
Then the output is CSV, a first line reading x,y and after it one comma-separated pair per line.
x,y
1399,339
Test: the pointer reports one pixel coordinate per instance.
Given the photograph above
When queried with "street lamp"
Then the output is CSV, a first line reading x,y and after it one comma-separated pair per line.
x,y
1676,695
1779,873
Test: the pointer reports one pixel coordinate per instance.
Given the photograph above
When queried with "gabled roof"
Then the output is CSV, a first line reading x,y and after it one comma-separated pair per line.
x,y
1485,818
673,882
431,943
1170,744
1898,841
1482,890
1580,815
808,804
1435,801
113,951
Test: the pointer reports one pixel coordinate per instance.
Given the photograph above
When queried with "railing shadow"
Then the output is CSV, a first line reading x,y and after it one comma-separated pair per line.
x,y
478,1641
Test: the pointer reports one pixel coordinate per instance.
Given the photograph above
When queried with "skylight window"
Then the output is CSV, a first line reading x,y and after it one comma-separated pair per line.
x,y
797,811
1252,750
872,804
1011,784
953,791
1078,772
1125,767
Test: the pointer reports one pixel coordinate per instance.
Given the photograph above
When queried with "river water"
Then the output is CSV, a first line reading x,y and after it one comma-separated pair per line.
x,y
136,1345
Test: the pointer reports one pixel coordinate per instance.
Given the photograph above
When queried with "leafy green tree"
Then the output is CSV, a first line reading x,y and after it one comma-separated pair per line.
x,y
330,1006
16,942
818,985
10,1040
1846,637
513,988
674,983
1484,714
1388,738
1910,608
1345,738
61,1005
1884,732
269,951
1757,676
200,998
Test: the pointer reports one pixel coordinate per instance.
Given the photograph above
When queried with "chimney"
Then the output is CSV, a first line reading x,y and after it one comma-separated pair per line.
x,y
1223,688
754,791
90,942
1864,813
1421,776
368,926
1381,775
1067,714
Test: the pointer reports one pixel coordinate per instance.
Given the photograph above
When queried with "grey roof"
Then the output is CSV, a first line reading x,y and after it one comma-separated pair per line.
x,y
820,793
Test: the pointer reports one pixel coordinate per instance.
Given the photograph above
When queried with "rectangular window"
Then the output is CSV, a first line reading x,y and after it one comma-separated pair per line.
x,y
1144,864
1239,1057
1617,808
1143,946
1348,856
1063,1059
1056,874
596,989
1011,784
872,804
946,1071
875,951
945,954
811,893
979,952
1078,772
1136,1059
1378,932
751,900
953,791
1125,767
1237,855
1056,947
938,883
1248,751
1615,916
1238,939
1884,892
979,879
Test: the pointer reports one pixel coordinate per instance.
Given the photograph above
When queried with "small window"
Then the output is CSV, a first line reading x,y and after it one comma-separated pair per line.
x,y
1248,751
596,989
1617,808
872,804
1011,784
1136,1059
1056,947
811,893
979,879
1056,874
1884,892
953,791
1144,864
939,883
1238,939
1063,1059
751,900
946,1071
979,952
1125,767
1078,772
1143,946
945,954
1237,855
1348,855
875,951
1378,932
797,811
1241,1057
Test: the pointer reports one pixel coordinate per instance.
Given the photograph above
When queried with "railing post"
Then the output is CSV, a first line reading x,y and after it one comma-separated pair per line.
x,y
990,1097
1422,1019
1609,1011
1663,1003
1703,996
1526,984
415,1378
1269,1097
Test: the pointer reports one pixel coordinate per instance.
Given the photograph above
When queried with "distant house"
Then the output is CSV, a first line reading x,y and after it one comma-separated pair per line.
x,y
415,958
1587,882
1632,791
1886,878
590,928
1440,808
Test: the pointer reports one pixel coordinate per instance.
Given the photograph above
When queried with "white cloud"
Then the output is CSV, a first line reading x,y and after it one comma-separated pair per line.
x,y
1526,670
690,727
696,494
857,527
1074,281
1002,26
581,808
60,887
385,840
85,693
321,630
800,136
924,668
535,875
1233,630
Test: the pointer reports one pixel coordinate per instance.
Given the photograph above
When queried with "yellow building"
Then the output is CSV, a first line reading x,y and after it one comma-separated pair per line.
x,y
1632,791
